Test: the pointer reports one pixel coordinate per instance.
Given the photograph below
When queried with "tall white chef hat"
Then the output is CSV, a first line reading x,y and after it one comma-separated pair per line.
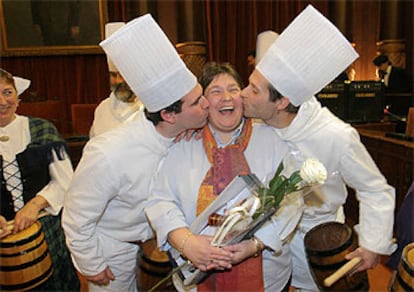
x,y
21,84
264,41
110,28
149,63
306,56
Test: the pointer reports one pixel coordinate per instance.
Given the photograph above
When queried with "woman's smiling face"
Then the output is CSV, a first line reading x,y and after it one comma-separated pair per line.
x,y
226,108
8,102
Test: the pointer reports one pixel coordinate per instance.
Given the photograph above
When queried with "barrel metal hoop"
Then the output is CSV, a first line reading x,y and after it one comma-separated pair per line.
x,y
407,268
25,265
21,241
404,285
154,273
152,262
37,281
330,267
4,255
328,253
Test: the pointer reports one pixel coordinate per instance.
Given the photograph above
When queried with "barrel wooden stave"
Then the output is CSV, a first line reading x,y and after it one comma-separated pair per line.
x,y
404,280
153,266
25,261
326,246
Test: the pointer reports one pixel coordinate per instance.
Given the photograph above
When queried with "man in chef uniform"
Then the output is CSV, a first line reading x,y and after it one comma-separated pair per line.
x,y
121,104
306,57
104,208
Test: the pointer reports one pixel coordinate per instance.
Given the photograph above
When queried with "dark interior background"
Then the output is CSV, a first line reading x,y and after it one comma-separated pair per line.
x,y
229,28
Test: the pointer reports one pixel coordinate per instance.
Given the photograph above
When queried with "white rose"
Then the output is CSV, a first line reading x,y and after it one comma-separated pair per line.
x,y
312,171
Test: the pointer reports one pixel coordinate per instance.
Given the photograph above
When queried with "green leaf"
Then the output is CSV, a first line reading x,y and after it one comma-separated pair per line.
x,y
277,174
279,198
279,187
262,192
279,192
279,169
279,182
295,178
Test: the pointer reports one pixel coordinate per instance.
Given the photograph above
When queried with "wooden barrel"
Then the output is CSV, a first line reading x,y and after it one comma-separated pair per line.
x,y
24,260
326,246
404,281
153,266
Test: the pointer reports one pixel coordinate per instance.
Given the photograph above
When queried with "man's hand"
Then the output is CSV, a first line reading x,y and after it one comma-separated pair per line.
x,y
369,259
4,230
103,278
189,134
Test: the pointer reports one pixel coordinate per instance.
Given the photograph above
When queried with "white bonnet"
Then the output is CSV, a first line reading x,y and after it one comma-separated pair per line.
x,y
21,84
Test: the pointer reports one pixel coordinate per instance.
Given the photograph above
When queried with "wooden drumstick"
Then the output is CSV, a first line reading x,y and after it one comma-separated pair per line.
x,y
10,224
342,271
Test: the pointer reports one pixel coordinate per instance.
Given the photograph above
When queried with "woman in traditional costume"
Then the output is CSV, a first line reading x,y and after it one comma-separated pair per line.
x,y
36,171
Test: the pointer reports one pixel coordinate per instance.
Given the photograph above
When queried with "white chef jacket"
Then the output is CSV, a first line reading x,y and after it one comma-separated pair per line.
x,y
61,171
105,203
112,112
173,201
316,132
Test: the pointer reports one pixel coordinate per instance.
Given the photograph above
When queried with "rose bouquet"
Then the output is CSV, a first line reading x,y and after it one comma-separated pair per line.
x,y
242,208
266,200
311,173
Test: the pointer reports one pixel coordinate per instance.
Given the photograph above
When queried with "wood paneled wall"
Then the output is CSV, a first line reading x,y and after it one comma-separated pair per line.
x,y
394,158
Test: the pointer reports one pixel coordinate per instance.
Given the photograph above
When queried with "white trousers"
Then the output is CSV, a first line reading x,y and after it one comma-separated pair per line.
x,y
122,260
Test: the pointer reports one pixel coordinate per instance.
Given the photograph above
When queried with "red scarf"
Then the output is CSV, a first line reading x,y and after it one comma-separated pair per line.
x,y
226,164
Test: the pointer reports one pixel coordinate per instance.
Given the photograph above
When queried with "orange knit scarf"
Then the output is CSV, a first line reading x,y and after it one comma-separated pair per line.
x,y
226,164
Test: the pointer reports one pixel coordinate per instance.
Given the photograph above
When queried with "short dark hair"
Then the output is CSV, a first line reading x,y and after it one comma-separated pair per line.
x,y
156,118
381,59
275,95
252,53
212,69
7,77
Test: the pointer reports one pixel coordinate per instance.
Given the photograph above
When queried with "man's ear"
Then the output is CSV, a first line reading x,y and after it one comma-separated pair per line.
x,y
282,103
168,116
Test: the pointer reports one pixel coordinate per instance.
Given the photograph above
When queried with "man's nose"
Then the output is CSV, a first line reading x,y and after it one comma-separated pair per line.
x,y
206,104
